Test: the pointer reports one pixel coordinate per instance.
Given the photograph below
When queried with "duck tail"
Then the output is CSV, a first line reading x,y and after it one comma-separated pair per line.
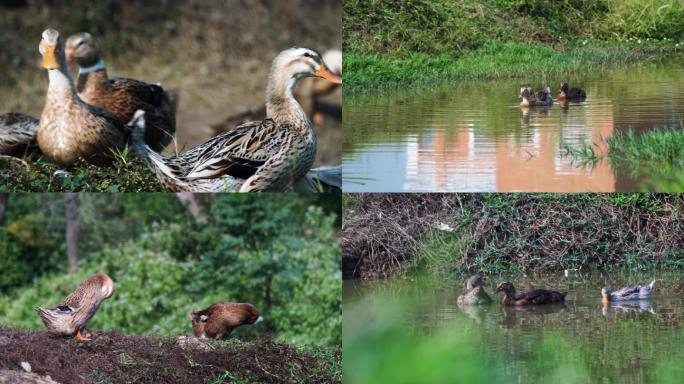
x,y
46,316
137,128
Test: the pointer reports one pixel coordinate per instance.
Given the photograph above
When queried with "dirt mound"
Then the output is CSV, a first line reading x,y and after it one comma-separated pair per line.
x,y
114,358
383,234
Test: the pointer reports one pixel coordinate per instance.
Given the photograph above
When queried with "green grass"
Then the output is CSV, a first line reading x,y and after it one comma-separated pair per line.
x,y
40,175
656,154
389,44
496,60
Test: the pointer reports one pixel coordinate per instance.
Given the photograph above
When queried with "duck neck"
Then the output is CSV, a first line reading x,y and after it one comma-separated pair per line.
x,y
281,106
61,87
92,79
509,297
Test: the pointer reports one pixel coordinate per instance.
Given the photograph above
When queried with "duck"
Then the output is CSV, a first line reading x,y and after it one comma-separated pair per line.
x,y
636,292
121,96
475,293
536,297
218,320
72,316
567,93
18,134
268,155
530,99
71,129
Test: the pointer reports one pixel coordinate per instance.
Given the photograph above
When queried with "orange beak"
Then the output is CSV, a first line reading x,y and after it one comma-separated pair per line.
x,y
327,74
50,58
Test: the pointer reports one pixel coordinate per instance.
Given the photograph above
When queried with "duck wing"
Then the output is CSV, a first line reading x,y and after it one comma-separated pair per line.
x,y
152,94
238,153
627,292
541,296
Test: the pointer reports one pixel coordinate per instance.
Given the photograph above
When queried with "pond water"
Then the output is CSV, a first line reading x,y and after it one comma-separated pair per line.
x,y
473,136
580,341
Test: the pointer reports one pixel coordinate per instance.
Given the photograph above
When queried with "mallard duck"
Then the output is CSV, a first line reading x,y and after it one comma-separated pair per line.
x,y
70,129
536,297
122,97
530,99
567,93
18,134
475,293
71,317
636,292
270,155
219,320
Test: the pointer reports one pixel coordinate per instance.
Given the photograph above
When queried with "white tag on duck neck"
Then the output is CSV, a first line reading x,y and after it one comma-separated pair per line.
x,y
100,65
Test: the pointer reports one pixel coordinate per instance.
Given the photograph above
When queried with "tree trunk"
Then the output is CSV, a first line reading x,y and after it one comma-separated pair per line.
x,y
4,196
193,205
73,230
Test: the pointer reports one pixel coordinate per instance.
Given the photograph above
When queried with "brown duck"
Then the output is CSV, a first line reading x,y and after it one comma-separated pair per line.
x,y
70,129
122,97
219,320
71,317
536,297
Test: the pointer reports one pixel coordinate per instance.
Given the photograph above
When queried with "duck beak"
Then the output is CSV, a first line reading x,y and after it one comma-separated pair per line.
x,y
327,74
50,57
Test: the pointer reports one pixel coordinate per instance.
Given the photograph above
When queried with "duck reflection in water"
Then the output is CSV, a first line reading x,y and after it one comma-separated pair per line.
x,y
533,315
627,308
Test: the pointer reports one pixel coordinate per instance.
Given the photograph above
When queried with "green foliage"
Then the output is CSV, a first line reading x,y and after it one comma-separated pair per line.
x,y
279,253
380,348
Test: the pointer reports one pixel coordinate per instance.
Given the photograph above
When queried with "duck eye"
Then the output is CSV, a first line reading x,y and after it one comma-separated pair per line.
x,y
307,54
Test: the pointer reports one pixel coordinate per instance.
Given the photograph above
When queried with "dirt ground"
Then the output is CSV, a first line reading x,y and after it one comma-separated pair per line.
x,y
112,358
215,55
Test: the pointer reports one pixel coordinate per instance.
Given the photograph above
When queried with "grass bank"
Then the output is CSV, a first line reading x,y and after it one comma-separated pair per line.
x,y
454,234
142,359
655,154
127,174
497,60
422,42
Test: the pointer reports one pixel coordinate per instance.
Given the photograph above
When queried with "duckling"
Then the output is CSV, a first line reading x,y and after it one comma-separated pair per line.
x,y
268,155
475,293
18,134
219,320
536,297
70,129
567,93
121,96
71,317
530,99
636,292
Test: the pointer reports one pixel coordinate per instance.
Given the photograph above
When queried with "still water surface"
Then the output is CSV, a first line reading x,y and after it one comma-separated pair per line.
x,y
473,136
624,343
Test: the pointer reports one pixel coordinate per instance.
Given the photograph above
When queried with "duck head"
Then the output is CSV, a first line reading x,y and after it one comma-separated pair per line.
x,y
107,286
564,88
474,282
83,50
605,294
505,287
52,49
299,62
